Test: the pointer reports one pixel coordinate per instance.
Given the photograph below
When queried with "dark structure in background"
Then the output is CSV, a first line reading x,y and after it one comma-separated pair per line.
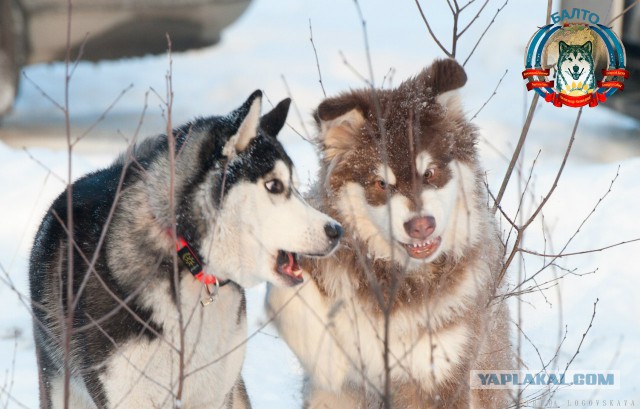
x,y
628,101
35,31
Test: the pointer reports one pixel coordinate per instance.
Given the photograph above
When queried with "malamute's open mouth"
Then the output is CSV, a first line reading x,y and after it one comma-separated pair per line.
x,y
288,268
424,249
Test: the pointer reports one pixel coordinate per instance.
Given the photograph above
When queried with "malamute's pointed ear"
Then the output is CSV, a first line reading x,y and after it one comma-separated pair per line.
x,y
249,115
340,120
273,121
444,77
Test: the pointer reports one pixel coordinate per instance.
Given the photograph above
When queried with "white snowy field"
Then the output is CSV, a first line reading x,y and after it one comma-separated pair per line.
x,y
271,42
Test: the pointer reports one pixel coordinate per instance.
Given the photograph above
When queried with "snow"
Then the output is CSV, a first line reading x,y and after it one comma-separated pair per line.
x,y
271,42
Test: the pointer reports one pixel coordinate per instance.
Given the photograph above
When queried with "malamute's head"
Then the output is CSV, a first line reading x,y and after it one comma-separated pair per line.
x,y
400,168
256,222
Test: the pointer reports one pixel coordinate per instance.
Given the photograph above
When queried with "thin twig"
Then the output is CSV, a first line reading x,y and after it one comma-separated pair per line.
x,y
522,228
80,54
485,32
495,91
104,114
307,137
69,318
562,165
516,153
315,53
354,70
629,7
535,253
584,335
43,92
466,5
43,166
460,33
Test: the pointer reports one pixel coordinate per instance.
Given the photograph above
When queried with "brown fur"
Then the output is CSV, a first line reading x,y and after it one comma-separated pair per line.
x,y
358,130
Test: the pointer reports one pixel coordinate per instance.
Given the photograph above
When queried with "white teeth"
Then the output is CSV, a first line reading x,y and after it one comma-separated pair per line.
x,y
297,273
425,244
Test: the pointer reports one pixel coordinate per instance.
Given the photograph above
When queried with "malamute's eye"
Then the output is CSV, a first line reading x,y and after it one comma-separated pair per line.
x,y
274,186
429,174
381,184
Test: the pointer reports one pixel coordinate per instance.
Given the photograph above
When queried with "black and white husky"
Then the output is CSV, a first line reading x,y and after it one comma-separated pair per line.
x,y
140,337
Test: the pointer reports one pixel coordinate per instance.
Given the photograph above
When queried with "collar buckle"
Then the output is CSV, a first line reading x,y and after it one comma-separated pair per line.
x,y
211,293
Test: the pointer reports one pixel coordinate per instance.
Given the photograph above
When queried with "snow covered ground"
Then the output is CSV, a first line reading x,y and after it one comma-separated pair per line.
x,y
271,42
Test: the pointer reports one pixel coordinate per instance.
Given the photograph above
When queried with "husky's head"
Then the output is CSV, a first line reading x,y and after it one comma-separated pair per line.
x,y
257,222
400,167
575,62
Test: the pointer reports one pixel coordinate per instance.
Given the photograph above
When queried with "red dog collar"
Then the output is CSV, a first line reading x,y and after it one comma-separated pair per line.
x,y
193,263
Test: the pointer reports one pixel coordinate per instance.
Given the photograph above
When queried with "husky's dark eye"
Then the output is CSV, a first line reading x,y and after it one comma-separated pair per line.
x,y
274,186
580,59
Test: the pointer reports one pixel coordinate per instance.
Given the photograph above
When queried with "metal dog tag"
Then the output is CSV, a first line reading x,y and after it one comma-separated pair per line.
x,y
211,295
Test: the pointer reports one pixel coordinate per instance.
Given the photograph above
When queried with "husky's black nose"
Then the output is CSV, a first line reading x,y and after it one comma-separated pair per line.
x,y
575,68
333,231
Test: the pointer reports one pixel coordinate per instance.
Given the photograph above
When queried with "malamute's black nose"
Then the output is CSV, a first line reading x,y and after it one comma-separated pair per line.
x,y
333,231
420,227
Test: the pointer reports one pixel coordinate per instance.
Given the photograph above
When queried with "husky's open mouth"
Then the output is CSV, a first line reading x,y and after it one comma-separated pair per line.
x,y
288,268
424,249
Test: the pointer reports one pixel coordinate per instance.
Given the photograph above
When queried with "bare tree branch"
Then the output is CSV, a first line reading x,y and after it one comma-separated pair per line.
x,y
435,38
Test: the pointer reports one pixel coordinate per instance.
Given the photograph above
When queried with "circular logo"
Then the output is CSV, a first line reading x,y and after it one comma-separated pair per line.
x,y
561,62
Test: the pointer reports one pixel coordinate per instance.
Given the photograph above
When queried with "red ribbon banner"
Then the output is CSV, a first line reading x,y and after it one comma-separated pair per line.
x,y
539,84
611,84
617,72
575,101
535,72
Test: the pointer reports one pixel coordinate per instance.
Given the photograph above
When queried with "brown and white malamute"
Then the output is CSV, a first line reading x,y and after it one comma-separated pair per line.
x,y
400,172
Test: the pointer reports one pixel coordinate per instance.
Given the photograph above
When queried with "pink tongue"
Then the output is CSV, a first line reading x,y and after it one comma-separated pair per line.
x,y
292,265
287,267
287,263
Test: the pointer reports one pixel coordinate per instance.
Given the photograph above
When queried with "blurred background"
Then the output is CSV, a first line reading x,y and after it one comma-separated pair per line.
x,y
225,49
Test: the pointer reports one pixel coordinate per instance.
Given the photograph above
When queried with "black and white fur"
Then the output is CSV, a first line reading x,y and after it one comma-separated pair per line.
x,y
237,206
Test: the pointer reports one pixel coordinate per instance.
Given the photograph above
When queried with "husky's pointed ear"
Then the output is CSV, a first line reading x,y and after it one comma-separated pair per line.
x,y
340,120
445,77
273,121
249,115
588,46
562,46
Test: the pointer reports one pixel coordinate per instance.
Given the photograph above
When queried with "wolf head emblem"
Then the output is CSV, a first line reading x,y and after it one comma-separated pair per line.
x,y
575,69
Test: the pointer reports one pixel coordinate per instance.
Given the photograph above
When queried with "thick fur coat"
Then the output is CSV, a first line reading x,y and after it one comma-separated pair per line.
x,y
406,307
